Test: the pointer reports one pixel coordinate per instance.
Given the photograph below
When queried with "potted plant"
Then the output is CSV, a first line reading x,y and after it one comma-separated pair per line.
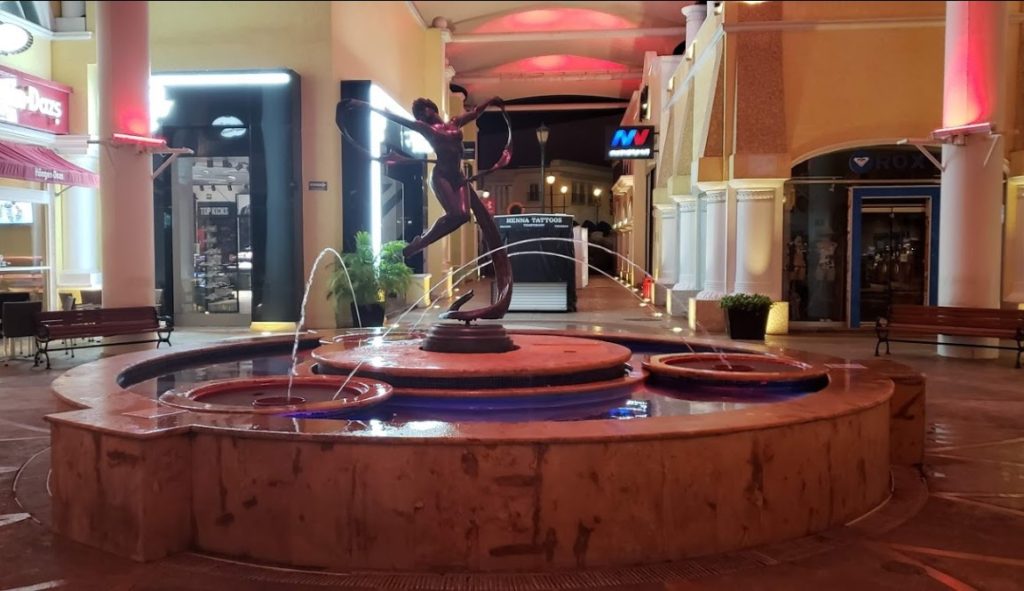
x,y
370,280
746,315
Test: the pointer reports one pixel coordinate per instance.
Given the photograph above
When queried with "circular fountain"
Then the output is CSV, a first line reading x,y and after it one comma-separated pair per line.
x,y
279,395
560,454
737,370
540,371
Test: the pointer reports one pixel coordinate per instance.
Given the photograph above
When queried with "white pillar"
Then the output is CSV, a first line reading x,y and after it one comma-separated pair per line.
x,y
686,254
126,186
80,213
759,240
970,249
716,236
695,15
666,228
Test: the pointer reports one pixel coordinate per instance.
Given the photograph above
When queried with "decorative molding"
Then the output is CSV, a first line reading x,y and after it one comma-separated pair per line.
x,y
716,196
755,194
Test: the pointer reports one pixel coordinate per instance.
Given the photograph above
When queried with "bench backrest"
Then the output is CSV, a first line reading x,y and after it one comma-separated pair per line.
x,y
141,316
956,317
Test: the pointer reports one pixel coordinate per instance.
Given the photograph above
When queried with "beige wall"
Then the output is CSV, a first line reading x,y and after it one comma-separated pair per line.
x,y
860,87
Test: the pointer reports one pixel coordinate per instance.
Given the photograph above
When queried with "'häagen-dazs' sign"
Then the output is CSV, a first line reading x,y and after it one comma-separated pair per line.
x,y
631,142
33,102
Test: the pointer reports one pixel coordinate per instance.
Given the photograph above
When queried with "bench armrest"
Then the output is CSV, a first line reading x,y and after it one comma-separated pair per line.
x,y
168,321
882,322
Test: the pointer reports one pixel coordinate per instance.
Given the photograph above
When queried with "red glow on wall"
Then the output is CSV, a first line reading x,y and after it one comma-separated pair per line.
x,y
555,19
136,123
560,63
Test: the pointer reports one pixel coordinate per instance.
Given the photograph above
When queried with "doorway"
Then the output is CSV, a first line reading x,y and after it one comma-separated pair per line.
x,y
894,254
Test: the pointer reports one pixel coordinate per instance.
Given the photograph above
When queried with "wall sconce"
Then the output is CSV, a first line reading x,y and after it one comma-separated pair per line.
x,y
14,39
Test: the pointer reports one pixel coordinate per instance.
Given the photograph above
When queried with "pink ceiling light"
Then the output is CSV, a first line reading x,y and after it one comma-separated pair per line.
x,y
560,63
554,19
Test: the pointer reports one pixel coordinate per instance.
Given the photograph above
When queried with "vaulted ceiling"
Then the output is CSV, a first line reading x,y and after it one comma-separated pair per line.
x,y
542,49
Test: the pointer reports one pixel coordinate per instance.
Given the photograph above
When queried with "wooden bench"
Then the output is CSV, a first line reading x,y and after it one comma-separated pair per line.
x,y
102,322
907,322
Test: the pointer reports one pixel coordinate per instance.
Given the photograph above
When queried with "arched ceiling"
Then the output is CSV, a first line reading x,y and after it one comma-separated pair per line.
x,y
531,49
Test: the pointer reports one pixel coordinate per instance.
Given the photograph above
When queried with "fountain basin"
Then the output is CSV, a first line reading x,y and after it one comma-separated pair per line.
x,y
736,370
466,495
310,395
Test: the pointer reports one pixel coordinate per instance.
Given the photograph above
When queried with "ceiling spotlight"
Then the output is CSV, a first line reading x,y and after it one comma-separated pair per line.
x,y
14,39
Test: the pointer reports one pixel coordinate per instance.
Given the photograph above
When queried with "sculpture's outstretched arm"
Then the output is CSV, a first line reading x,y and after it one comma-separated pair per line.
x,y
417,126
474,114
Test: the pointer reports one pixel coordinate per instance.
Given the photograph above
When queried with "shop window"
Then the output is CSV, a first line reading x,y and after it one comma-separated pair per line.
x,y
534,194
217,251
816,245
579,195
23,247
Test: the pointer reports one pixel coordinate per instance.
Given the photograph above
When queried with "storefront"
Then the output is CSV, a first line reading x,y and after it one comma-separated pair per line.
x,y
860,234
229,217
33,120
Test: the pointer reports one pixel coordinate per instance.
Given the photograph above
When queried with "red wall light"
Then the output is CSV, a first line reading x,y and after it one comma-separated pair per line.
x,y
139,140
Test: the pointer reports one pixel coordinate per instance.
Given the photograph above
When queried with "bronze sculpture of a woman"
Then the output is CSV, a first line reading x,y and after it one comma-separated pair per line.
x,y
454,191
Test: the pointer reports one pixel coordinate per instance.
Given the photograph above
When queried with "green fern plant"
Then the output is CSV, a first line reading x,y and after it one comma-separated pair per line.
x,y
370,279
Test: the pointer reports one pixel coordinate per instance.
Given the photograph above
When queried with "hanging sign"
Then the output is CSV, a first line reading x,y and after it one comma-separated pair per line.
x,y
33,102
631,142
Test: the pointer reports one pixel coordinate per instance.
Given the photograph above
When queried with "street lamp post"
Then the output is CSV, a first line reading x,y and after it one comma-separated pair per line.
x,y
597,204
542,139
563,191
550,180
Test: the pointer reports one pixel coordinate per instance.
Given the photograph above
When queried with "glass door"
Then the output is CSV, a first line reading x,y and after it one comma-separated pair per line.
x,y
894,255
212,241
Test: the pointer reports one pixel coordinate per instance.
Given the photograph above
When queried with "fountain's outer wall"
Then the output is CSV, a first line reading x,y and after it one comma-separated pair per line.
x,y
430,505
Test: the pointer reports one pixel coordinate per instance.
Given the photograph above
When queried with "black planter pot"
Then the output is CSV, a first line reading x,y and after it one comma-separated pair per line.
x,y
747,325
370,315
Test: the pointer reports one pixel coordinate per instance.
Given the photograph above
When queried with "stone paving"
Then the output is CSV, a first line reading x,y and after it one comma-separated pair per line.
x,y
968,533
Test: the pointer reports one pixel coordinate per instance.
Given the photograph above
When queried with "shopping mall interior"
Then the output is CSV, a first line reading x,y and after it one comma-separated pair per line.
x,y
512,295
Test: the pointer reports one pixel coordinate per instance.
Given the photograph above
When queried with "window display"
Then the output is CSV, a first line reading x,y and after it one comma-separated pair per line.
x,y
220,248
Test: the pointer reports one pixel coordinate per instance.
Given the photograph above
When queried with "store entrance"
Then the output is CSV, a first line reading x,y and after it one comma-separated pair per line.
x,y
894,253
212,241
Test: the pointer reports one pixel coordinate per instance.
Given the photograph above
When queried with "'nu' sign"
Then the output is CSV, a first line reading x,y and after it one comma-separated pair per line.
x,y
631,142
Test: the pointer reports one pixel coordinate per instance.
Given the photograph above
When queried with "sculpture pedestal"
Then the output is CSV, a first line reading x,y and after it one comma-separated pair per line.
x,y
449,337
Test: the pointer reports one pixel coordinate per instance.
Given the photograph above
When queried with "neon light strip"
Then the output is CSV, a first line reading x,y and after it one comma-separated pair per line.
x,y
223,79
140,140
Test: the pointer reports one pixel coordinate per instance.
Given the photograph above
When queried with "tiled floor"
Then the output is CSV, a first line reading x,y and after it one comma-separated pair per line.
x,y
969,534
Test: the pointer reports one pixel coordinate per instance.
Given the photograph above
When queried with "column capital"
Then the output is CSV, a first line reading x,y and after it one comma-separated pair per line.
x,y
755,194
665,210
715,196
685,200
767,184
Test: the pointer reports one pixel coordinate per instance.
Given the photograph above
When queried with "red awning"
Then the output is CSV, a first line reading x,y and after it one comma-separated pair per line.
x,y
34,163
